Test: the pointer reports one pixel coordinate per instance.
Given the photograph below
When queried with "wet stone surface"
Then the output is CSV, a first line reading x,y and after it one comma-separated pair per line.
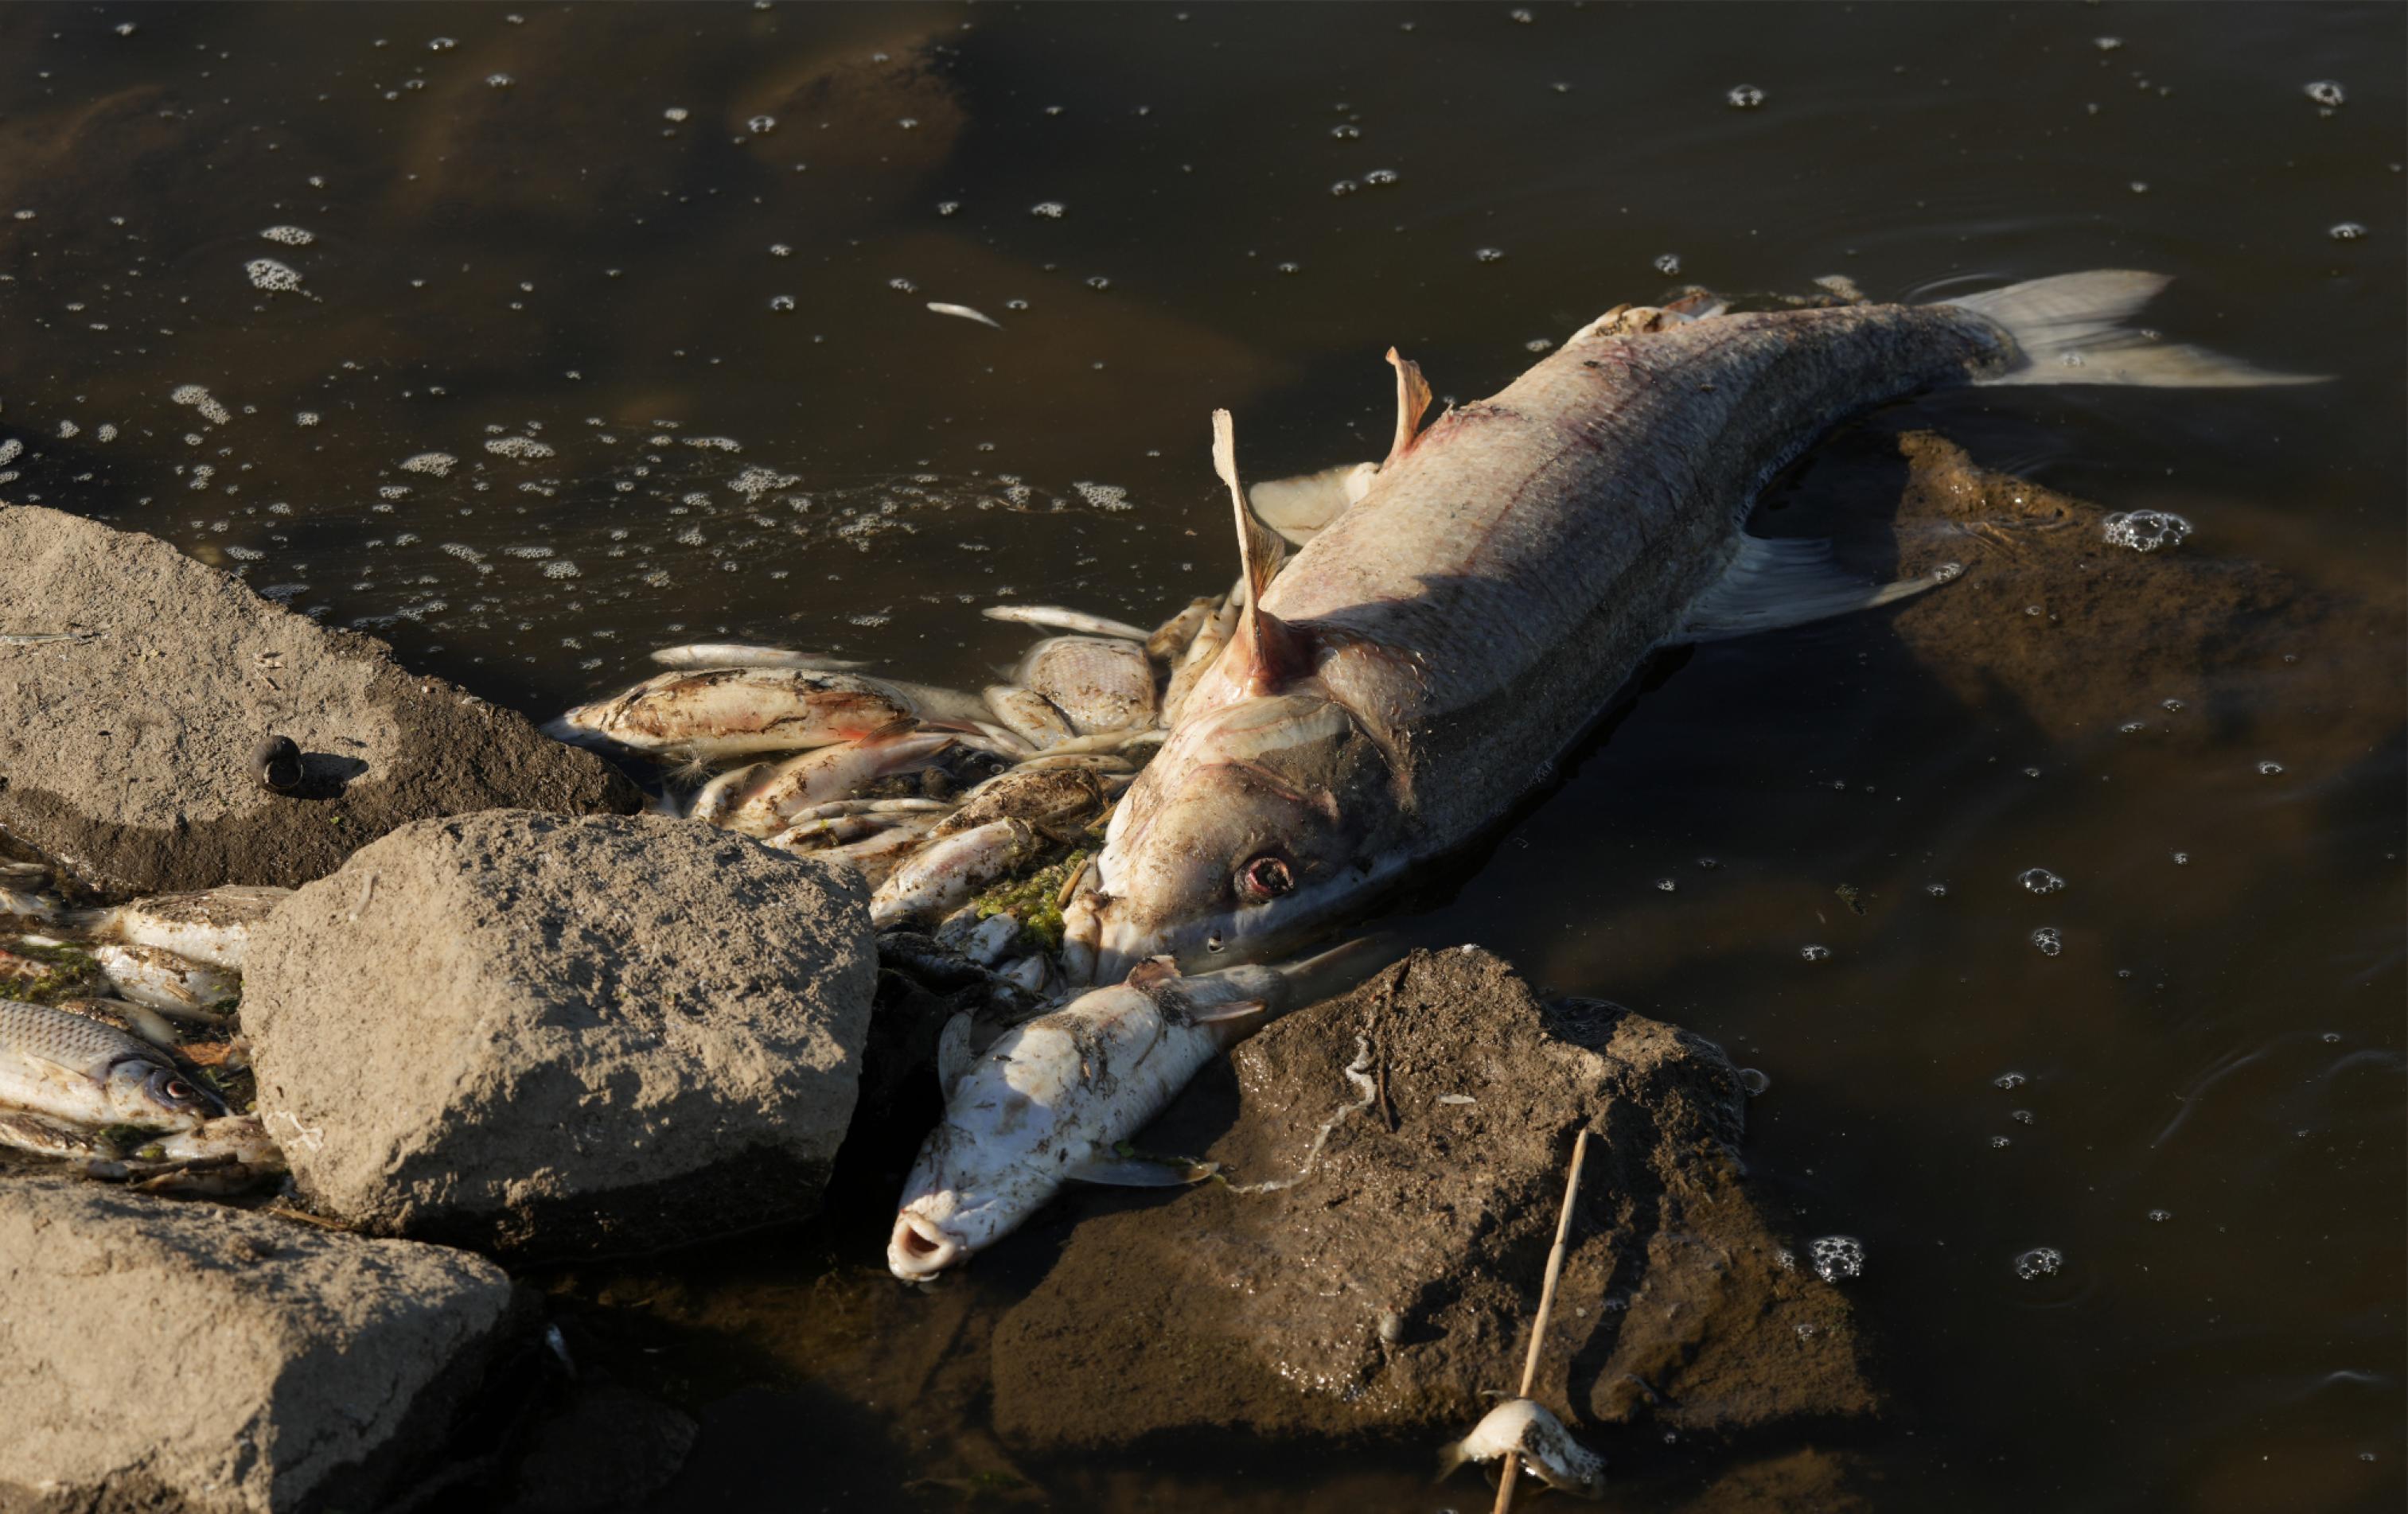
x,y
1389,1287
131,752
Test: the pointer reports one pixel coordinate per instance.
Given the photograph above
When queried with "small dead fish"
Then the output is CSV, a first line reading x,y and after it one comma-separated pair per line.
x,y
1171,639
1051,1099
712,802
163,980
212,927
1059,619
739,711
1099,684
875,857
1028,715
79,1070
872,806
964,312
1058,801
1547,1450
946,874
830,773
704,655
1203,652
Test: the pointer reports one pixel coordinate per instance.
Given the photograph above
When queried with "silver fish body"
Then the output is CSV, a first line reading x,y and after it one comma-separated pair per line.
x,y
943,874
826,774
1057,1093
1432,650
86,1072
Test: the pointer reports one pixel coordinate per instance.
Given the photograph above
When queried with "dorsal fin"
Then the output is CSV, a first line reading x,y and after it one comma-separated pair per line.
x,y
1413,401
1264,652
1259,547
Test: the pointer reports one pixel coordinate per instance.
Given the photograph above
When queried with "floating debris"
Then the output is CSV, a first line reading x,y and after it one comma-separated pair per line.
x,y
964,312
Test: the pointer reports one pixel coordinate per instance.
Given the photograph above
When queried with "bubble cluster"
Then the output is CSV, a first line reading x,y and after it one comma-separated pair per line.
x,y
2269,768
2326,92
1668,264
1937,891
1745,97
2049,942
202,400
1753,1081
2347,231
524,449
1837,1257
2040,880
2009,1081
290,235
1490,255
1815,953
1049,209
2146,531
274,276
2039,1262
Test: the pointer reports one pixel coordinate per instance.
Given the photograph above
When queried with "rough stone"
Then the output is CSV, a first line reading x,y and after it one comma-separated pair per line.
x,y
159,1355
127,756
1392,1283
558,1035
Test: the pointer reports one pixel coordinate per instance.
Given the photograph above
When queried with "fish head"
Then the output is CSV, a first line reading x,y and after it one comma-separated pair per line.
x,y
141,1091
1260,821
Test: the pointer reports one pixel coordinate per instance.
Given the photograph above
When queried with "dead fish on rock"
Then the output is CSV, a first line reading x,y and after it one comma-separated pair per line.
x,y
1547,1450
1442,640
1051,1098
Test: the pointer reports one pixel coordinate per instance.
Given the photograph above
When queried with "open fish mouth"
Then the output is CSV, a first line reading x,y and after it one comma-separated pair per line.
x,y
921,1248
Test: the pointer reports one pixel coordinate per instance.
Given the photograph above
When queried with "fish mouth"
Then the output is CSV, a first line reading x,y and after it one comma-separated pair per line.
x,y
920,1249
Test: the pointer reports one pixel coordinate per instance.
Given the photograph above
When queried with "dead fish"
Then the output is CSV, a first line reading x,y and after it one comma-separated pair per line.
x,y
1202,653
964,312
163,980
944,874
815,778
1052,1098
712,802
739,711
1172,638
1097,683
1437,645
1298,507
1059,619
1059,802
86,1072
704,655
211,927
1547,1450
136,1020
1028,715
224,1155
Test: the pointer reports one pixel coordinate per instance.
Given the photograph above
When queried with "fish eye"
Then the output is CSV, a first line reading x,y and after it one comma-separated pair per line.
x,y
1264,877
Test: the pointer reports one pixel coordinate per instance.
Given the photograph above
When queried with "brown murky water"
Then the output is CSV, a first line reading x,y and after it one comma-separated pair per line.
x,y
655,280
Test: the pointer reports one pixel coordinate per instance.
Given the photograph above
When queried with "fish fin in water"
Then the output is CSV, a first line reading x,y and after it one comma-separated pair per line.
x,y
1111,1170
1412,402
2071,329
1298,507
1267,653
1773,584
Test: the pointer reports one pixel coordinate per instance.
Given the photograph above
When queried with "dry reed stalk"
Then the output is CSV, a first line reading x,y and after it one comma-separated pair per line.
x,y
1512,1462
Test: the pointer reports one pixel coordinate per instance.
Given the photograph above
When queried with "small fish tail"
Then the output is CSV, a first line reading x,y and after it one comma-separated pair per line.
x,y
2074,329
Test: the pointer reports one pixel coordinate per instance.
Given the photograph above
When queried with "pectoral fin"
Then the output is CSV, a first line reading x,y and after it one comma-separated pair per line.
x,y
1773,584
1216,1014
1115,1171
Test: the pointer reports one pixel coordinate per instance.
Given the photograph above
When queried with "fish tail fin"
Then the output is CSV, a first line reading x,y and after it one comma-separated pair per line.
x,y
2074,329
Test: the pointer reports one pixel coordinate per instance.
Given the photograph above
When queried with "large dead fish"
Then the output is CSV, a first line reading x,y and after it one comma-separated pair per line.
x,y
1436,645
1048,1101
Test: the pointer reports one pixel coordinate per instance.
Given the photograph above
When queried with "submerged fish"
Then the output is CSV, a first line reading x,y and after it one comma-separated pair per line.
x,y
85,1072
1441,641
1051,1098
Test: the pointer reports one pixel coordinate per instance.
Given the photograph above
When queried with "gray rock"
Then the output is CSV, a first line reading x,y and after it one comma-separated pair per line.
x,y
556,1036
128,753
1395,1281
164,1355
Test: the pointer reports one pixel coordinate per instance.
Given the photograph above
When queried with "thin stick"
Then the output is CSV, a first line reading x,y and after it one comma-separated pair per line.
x,y
1513,1465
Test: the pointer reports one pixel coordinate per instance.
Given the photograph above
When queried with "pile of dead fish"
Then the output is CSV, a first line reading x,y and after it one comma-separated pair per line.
x,y
974,813
120,1050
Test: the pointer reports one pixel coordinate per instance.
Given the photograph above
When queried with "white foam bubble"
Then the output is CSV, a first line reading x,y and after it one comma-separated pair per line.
x,y
524,449
274,276
202,400
2146,531
290,235
438,463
